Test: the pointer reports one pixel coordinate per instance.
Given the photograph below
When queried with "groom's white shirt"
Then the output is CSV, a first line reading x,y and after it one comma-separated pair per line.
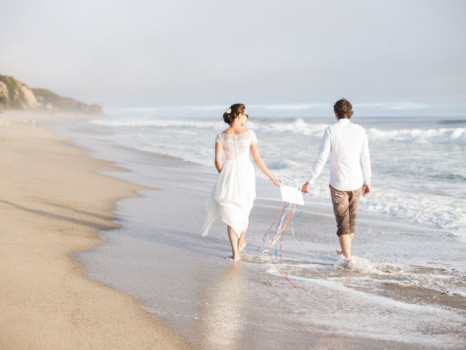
x,y
347,145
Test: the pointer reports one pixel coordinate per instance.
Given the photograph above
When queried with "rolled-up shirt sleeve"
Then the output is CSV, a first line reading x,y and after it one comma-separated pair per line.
x,y
322,157
366,161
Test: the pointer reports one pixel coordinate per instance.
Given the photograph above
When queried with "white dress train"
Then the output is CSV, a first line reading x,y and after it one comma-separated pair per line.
x,y
233,195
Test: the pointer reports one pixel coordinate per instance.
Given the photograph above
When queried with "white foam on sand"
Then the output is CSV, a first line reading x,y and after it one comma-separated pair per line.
x,y
347,311
159,256
357,264
286,146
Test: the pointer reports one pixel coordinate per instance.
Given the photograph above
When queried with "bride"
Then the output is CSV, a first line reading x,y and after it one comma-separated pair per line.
x,y
233,195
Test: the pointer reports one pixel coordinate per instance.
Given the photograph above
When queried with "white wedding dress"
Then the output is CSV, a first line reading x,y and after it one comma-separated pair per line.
x,y
233,195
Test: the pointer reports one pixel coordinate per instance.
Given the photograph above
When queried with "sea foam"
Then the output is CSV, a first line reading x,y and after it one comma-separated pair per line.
x,y
436,136
407,179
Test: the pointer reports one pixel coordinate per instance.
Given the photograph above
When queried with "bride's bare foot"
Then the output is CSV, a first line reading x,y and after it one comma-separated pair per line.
x,y
235,258
241,246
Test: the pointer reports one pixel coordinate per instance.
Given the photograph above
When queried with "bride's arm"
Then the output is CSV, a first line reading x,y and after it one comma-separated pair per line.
x,y
218,156
260,163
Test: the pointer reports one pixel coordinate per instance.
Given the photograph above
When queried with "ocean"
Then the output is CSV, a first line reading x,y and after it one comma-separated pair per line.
x,y
408,284
416,161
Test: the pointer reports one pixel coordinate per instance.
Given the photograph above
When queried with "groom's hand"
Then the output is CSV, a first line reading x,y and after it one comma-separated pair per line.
x,y
366,189
306,187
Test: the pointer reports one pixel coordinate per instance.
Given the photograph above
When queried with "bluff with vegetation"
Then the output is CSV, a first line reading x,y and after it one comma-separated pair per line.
x,y
16,95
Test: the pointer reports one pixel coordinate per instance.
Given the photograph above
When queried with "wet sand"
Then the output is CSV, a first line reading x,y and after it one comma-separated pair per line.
x,y
192,285
53,205
187,281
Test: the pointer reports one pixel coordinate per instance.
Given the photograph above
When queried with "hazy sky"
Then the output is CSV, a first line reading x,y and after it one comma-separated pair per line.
x,y
290,57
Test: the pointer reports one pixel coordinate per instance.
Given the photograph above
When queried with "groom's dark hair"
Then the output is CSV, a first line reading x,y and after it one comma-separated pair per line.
x,y
343,109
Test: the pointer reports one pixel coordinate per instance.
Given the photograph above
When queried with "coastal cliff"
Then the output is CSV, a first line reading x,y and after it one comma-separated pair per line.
x,y
17,95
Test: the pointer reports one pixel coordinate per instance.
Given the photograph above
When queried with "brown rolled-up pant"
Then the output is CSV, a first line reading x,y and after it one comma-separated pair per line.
x,y
345,207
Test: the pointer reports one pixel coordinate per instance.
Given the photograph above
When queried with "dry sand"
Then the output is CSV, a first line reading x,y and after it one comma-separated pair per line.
x,y
53,203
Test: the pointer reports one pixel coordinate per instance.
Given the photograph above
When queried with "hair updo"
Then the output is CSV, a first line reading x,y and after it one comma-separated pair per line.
x,y
234,111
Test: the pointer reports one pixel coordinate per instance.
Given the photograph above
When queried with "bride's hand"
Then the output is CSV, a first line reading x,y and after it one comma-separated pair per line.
x,y
305,188
276,181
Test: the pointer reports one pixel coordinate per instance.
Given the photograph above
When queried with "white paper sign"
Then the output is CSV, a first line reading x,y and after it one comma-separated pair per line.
x,y
292,195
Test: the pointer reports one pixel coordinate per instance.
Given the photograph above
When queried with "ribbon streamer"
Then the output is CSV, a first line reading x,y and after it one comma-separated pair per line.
x,y
282,223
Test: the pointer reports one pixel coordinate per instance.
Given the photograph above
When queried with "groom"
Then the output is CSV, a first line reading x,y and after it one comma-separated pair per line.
x,y
350,170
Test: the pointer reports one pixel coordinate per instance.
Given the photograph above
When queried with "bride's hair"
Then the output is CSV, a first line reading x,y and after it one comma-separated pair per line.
x,y
232,112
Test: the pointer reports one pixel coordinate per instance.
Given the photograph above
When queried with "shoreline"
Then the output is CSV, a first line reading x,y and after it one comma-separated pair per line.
x,y
55,201
186,280
189,282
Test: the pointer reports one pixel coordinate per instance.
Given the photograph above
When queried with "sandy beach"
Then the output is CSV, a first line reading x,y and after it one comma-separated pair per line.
x,y
111,113
53,204
92,256
396,298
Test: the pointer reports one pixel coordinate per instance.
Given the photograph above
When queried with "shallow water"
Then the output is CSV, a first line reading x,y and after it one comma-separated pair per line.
x,y
406,288
416,161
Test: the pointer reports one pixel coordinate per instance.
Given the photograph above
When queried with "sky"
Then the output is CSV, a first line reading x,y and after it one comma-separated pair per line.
x,y
396,57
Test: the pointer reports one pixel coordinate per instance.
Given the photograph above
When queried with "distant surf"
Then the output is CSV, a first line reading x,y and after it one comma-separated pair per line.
x,y
416,161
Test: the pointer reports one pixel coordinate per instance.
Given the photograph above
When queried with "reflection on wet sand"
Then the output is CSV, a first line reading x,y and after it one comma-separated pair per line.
x,y
222,314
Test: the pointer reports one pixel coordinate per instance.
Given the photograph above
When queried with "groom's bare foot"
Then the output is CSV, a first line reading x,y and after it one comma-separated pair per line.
x,y
348,264
241,246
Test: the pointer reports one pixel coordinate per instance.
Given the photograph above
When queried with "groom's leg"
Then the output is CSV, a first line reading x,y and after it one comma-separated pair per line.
x,y
354,197
345,243
340,201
